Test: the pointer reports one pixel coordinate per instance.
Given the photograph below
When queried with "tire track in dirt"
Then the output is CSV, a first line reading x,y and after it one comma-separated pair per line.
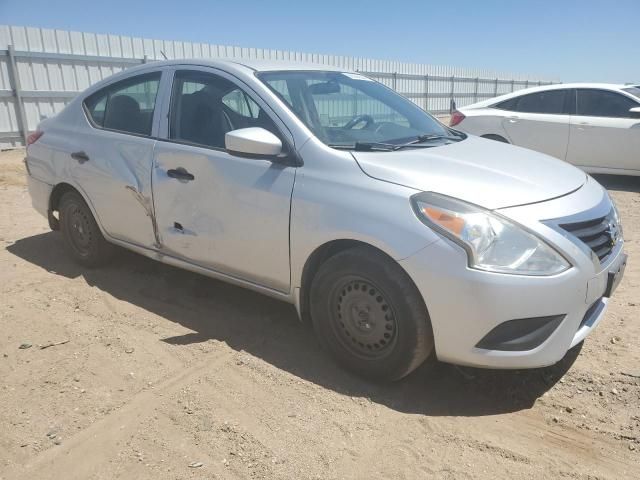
x,y
86,451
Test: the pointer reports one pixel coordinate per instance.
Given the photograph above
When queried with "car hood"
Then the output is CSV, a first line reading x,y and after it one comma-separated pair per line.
x,y
483,172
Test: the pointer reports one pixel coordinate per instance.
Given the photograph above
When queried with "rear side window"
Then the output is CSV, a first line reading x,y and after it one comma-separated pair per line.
x,y
604,103
125,106
550,102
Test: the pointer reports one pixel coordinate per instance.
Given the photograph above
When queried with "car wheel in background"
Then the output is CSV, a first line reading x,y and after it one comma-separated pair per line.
x,y
82,236
368,313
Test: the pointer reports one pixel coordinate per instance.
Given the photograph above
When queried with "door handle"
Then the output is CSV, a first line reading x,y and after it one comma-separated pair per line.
x,y
180,174
80,156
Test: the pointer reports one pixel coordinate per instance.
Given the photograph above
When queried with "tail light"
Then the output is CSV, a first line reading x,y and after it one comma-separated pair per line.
x,y
34,137
456,118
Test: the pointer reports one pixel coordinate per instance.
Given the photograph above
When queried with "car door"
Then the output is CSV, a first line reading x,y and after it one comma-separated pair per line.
x,y
538,121
603,132
112,156
223,212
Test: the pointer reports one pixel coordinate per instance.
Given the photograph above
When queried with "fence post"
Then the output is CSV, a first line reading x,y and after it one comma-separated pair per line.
x,y
145,59
513,85
453,90
495,89
475,91
394,81
426,92
14,79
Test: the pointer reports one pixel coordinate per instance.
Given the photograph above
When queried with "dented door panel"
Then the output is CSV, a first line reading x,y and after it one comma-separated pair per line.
x,y
117,179
233,217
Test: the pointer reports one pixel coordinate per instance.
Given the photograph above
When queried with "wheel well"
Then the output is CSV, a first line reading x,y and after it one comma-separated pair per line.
x,y
54,202
315,260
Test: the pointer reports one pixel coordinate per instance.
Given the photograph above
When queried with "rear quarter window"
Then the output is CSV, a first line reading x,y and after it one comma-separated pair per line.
x,y
509,105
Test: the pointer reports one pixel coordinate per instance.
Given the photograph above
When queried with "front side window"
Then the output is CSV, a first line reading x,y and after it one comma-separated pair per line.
x,y
346,109
204,107
550,102
603,103
126,106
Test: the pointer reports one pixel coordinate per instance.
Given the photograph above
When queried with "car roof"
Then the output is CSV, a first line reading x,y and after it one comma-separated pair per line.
x,y
544,88
233,66
279,65
255,65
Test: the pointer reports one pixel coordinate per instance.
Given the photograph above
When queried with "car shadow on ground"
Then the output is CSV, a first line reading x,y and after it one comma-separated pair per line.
x,y
619,182
270,330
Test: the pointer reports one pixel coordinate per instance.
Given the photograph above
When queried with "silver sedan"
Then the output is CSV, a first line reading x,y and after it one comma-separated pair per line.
x,y
397,237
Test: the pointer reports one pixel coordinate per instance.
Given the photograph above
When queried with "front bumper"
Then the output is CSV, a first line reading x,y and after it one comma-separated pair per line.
x,y
466,304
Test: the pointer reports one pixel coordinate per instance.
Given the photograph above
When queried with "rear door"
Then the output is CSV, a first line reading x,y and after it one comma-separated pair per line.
x,y
539,121
603,132
223,212
112,156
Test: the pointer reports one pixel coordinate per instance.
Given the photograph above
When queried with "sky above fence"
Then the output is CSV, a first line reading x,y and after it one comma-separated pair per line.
x,y
574,40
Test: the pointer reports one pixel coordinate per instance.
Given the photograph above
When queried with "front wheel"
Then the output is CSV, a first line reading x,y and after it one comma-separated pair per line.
x,y
368,313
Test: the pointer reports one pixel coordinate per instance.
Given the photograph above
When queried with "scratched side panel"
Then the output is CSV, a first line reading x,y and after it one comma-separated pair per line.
x,y
117,180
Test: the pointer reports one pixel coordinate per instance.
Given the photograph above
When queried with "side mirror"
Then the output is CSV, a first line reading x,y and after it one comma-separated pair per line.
x,y
635,112
253,142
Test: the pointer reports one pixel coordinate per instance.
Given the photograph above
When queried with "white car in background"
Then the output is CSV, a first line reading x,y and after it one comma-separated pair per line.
x,y
593,126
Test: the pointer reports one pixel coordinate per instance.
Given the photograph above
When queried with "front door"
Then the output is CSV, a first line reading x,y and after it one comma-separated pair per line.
x,y
223,212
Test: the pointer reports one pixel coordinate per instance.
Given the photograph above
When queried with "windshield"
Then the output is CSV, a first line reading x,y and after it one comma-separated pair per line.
x,y
347,110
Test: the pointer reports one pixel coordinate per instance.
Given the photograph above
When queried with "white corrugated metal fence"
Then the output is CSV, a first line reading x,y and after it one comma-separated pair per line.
x,y
42,69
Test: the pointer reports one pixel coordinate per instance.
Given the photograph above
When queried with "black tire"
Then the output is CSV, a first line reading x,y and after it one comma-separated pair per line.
x,y
82,236
497,138
369,315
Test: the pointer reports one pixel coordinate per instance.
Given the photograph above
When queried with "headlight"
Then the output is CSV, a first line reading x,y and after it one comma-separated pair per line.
x,y
492,242
616,216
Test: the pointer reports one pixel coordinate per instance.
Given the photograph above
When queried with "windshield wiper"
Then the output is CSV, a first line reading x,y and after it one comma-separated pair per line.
x,y
366,146
377,146
391,147
432,136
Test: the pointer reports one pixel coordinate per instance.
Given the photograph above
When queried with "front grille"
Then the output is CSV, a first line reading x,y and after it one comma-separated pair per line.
x,y
600,234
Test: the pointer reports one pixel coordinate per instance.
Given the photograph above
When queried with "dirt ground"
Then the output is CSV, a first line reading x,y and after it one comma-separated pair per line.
x,y
167,374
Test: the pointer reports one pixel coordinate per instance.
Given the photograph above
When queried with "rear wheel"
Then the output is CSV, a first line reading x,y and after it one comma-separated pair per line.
x,y
82,237
368,313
